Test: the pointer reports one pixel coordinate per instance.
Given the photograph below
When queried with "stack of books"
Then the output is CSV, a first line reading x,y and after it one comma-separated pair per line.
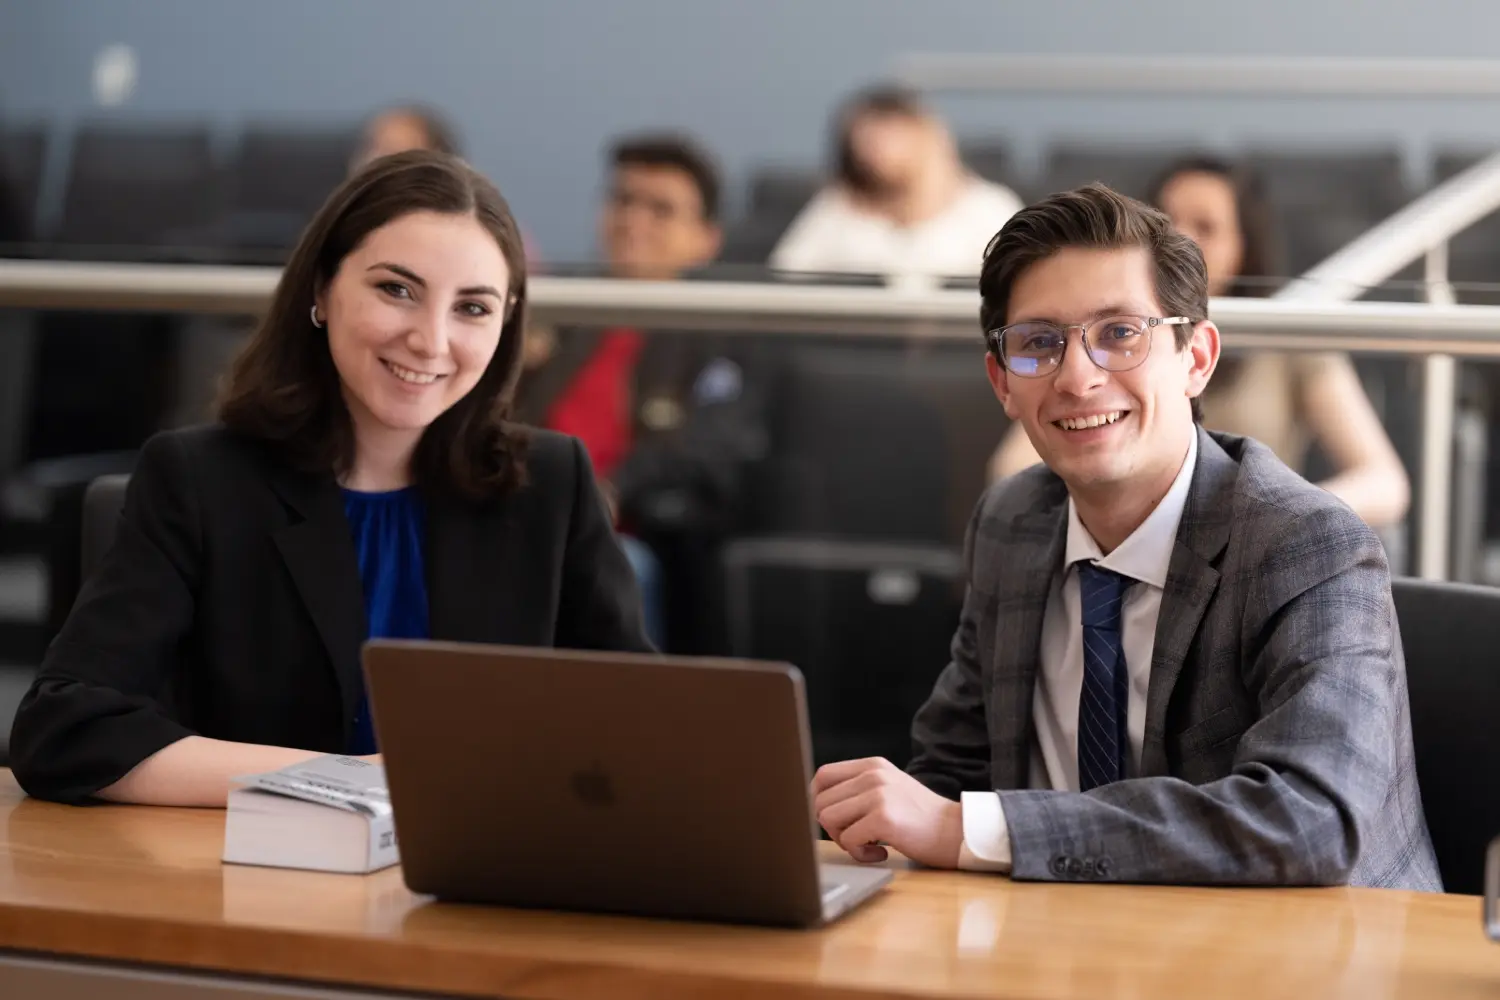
x,y
327,814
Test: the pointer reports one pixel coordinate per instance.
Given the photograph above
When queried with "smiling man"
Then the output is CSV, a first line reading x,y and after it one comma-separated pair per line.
x,y
1177,661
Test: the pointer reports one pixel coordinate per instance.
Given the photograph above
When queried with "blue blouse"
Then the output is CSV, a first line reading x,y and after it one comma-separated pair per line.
x,y
388,530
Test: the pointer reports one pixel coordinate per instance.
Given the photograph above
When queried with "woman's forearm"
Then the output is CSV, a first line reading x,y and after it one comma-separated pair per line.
x,y
196,771
1380,495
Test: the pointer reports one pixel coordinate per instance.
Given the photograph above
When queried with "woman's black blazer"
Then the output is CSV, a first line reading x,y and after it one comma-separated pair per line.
x,y
230,604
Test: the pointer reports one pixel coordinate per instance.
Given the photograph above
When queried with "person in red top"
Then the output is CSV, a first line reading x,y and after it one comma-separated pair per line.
x,y
659,220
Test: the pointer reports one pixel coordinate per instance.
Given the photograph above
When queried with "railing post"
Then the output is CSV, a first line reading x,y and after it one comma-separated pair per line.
x,y
1439,390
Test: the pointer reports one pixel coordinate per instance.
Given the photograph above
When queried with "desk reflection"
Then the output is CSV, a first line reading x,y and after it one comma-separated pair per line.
x,y
151,861
973,931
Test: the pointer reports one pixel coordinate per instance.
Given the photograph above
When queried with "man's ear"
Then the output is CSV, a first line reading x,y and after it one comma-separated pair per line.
x,y
999,381
1203,356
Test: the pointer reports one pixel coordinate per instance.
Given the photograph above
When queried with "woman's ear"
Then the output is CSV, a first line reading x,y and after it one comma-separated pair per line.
x,y
320,304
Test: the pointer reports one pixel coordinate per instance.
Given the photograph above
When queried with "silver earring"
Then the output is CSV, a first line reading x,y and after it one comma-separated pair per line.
x,y
315,321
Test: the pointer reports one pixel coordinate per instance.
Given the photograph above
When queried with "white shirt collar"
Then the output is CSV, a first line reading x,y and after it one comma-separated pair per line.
x,y
1147,553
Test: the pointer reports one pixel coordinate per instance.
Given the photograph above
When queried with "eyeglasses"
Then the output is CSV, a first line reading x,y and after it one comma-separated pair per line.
x,y
1115,344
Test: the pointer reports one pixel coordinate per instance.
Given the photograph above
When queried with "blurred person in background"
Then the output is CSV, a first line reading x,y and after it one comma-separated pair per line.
x,y
672,420
1286,401
660,217
902,203
400,128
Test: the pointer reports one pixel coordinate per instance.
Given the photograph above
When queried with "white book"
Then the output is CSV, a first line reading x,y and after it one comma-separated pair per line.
x,y
328,814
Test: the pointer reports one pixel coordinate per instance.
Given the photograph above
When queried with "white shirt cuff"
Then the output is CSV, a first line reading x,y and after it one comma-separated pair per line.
x,y
986,844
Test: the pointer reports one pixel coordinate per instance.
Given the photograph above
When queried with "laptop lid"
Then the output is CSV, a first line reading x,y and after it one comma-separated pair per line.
x,y
660,786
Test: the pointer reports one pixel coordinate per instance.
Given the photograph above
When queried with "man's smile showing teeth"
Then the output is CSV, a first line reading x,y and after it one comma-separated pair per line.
x,y
1093,420
407,375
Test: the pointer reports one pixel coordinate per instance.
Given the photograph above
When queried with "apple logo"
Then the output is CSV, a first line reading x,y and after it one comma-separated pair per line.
x,y
594,787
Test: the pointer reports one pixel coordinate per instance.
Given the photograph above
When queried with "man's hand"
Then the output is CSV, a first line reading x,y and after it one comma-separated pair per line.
x,y
864,804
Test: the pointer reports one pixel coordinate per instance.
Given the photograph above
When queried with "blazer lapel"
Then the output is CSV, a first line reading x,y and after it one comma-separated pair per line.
x,y
1032,552
1191,582
319,553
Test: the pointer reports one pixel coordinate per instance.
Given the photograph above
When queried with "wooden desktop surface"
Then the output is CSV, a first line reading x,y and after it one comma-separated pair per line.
x,y
146,885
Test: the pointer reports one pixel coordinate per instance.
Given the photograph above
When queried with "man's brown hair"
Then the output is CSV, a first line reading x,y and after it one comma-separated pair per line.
x,y
1094,217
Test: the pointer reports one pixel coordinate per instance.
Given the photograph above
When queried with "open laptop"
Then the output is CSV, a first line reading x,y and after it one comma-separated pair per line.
x,y
651,785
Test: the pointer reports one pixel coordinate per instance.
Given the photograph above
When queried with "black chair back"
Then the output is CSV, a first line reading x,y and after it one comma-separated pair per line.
x,y
23,153
280,178
102,504
1451,635
875,442
140,192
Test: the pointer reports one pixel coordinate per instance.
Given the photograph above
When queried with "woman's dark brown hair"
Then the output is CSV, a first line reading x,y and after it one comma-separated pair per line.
x,y
1094,217
284,390
1261,269
1260,261
881,101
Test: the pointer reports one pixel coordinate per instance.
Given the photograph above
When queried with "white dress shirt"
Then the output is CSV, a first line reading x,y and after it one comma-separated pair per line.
x,y
833,236
1144,557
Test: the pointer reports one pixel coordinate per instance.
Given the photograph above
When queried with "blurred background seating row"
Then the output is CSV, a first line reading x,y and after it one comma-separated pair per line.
x,y
174,192
165,192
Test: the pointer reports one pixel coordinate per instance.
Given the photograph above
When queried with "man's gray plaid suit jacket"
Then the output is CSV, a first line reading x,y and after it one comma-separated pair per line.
x,y
1277,747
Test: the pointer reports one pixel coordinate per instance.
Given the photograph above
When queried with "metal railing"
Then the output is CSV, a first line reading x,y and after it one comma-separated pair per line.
x,y
1246,76
1408,328
1438,331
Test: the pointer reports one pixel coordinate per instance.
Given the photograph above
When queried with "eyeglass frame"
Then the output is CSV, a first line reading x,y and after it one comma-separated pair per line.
x,y
996,340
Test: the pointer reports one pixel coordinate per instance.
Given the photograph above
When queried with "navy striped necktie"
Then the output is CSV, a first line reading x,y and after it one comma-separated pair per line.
x,y
1103,739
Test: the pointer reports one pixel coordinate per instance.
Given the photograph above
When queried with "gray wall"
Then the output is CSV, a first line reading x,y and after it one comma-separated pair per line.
x,y
537,86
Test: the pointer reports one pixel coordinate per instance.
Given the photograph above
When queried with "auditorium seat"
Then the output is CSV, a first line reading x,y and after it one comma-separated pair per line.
x,y
1474,254
139,191
1450,633
15,680
279,178
98,519
858,448
879,457
868,624
881,442
106,381
103,502
1129,169
776,195
23,152
1323,199
22,158
991,159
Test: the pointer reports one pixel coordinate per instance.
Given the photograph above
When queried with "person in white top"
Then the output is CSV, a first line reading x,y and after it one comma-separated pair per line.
x,y
1177,660
902,203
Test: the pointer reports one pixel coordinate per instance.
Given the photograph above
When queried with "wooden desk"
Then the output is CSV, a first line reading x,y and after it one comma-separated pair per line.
x,y
126,884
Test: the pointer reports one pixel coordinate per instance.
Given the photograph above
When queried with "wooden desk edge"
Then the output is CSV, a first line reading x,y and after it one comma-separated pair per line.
x,y
347,960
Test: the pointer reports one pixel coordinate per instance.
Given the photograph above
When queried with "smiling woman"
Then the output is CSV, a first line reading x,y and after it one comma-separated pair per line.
x,y
364,482
415,268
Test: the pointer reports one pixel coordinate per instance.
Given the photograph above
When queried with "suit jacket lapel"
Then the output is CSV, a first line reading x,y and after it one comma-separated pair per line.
x,y
319,553
1191,581
1033,553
